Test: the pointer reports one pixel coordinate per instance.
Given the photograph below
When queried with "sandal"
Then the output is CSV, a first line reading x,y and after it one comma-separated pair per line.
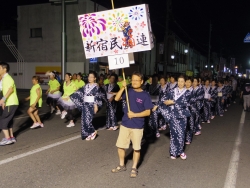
x,y
133,173
119,168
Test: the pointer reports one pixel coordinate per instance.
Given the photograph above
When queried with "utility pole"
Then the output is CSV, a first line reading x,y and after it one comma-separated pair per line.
x,y
209,44
166,54
63,41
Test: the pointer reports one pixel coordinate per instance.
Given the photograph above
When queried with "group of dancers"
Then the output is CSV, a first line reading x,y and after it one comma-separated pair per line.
x,y
181,104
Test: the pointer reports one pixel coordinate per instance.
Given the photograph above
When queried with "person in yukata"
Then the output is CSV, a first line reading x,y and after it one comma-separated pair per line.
x,y
172,84
221,97
207,102
111,89
131,129
227,90
214,95
230,93
88,99
177,103
65,104
154,90
193,111
198,92
163,90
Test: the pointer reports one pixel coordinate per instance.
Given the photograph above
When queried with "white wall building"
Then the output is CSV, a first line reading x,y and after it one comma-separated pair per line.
x,y
39,38
39,41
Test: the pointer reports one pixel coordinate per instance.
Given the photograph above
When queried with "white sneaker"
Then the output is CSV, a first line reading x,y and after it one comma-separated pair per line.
x,y
64,113
52,109
70,124
208,121
58,112
212,117
35,125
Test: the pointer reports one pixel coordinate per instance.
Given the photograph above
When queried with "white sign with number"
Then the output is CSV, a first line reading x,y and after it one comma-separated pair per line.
x,y
118,61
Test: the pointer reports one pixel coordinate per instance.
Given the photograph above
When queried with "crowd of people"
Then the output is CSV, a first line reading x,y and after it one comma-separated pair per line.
x,y
181,104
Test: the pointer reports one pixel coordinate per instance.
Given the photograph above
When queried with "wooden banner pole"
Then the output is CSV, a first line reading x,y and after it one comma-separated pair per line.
x,y
126,90
123,74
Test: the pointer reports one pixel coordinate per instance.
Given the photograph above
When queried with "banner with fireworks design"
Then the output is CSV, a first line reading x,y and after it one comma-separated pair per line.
x,y
117,31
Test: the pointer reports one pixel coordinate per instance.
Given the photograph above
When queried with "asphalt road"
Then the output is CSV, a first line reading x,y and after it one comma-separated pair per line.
x,y
55,156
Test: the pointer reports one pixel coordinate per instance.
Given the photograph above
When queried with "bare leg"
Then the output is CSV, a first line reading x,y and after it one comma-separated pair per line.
x,y
6,133
136,158
11,132
37,116
30,112
121,154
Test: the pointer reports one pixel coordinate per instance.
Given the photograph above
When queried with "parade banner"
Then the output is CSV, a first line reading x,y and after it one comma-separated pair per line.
x,y
118,31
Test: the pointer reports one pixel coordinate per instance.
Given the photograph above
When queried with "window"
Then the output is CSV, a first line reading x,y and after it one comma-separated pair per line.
x,y
36,33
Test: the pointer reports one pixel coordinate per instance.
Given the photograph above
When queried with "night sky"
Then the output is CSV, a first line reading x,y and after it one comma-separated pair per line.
x,y
189,20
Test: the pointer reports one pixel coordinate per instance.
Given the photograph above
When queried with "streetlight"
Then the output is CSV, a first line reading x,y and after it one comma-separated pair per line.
x,y
172,56
206,66
212,66
186,51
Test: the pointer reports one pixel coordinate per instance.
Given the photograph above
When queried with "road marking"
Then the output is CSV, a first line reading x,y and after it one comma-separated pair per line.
x,y
37,150
234,161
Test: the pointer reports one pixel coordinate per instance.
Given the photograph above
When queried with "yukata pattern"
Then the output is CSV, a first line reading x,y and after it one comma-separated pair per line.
x,y
207,106
214,95
220,104
191,120
230,93
176,115
153,118
163,91
199,95
172,86
111,120
87,108
227,90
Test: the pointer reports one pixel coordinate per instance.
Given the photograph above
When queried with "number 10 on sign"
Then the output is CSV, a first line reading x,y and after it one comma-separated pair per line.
x,y
118,61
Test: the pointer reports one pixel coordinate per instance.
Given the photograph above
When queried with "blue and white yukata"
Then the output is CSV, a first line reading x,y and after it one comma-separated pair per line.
x,y
222,95
191,120
207,104
214,95
172,86
199,95
176,115
227,90
154,91
111,120
163,91
85,99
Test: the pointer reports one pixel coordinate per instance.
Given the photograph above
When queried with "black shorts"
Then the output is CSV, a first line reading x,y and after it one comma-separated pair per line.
x,y
7,115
